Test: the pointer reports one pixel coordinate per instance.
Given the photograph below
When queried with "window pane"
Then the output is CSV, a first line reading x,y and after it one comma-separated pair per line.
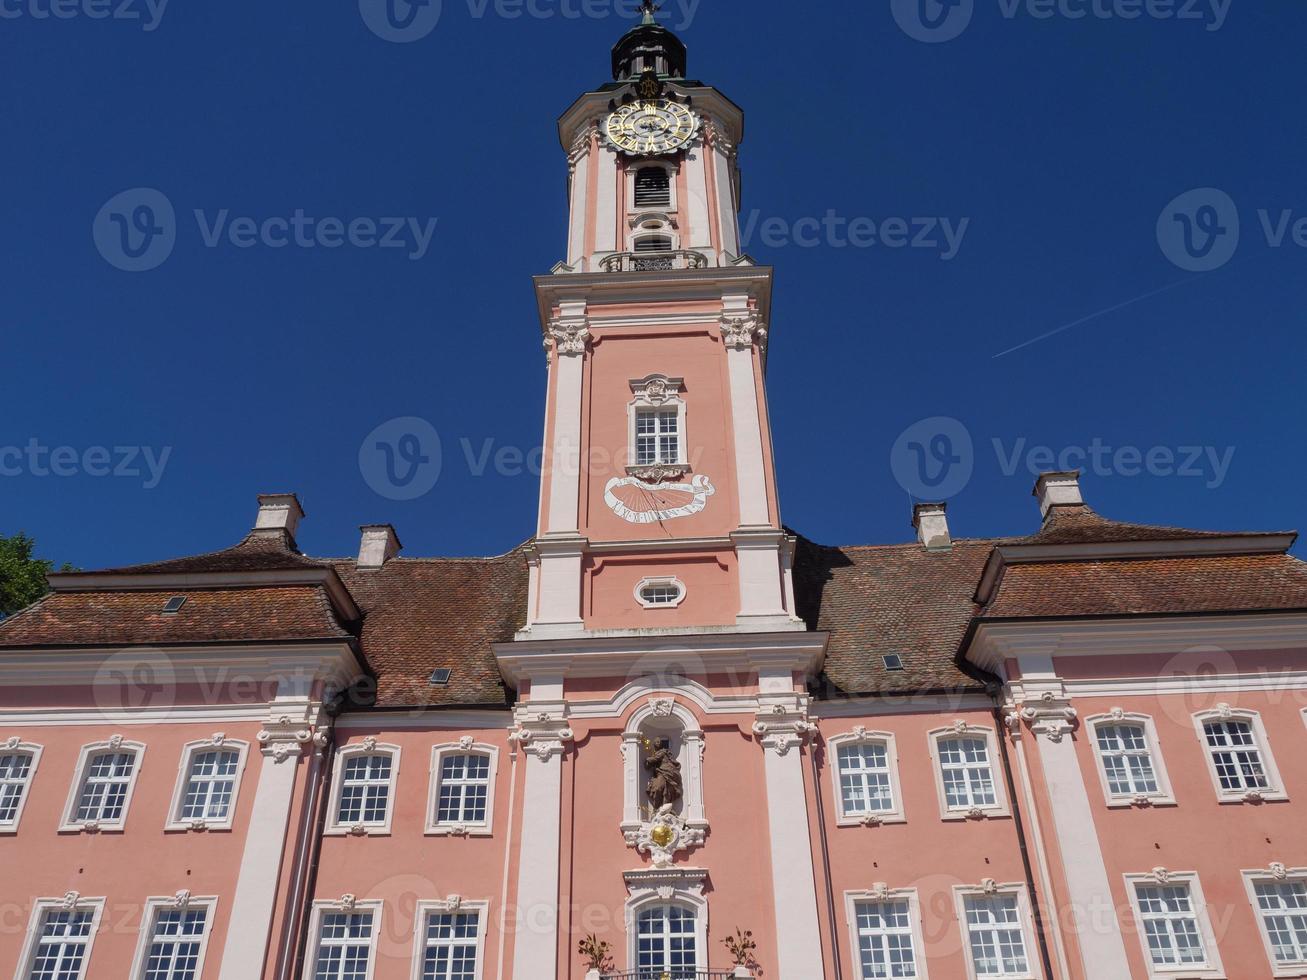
x,y
995,937
1170,925
885,945
1283,908
451,947
865,784
665,940
365,790
14,772
464,790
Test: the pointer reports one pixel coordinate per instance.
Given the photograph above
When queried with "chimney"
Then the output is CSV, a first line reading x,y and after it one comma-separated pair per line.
x,y
1058,490
931,522
279,512
379,544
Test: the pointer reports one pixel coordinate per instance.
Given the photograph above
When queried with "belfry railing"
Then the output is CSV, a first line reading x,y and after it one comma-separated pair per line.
x,y
653,262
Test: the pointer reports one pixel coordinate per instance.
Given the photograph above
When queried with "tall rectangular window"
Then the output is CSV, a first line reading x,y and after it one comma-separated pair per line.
x,y
105,785
1171,928
15,774
995,936
344,946
210,784
1236,755
885,940
464,789
657,438
666,942
1127,760
967,773
176,940
449,950
365,790
62,945
866,786
1282,908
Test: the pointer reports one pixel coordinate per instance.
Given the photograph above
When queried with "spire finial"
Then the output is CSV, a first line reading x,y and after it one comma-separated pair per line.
x,y
650,8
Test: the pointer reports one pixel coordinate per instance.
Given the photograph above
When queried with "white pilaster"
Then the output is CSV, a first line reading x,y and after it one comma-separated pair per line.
x,y
580,161
782,728
696,182
723,160
1051,719
543,736
248,932
741,328
606,201
569,336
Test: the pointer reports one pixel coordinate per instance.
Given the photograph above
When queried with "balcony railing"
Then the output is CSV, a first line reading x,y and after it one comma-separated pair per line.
x,y
674,975
653,262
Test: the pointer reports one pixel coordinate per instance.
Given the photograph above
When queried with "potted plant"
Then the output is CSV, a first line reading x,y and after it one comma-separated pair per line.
x,y
596,953
741,947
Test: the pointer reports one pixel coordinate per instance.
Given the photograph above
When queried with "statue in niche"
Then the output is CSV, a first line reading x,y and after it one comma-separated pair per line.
x,y
665,788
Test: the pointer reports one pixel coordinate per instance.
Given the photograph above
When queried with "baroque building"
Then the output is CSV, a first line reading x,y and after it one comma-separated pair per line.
x,y
667,720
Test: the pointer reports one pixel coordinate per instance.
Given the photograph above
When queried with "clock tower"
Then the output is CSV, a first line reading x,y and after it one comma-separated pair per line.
x,y
658,507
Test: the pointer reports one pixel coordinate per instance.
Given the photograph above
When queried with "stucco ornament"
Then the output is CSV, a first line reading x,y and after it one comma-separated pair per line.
x,y
115,742
283,737
541,732
70,901
569,336
369,744
1278,871
663,837
655,505
1051,715
739,331
12,742
466,742
182,900
1162,875
880,891
784,725
989,886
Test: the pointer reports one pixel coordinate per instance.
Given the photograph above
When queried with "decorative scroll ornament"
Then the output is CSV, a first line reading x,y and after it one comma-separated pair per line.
x,y
661,707
880,891
662,838
13,742
784,725
1162,876
699,489
115,742
1052,716
541,732
569,336
182,900
284,737
739,331
1278,871
989,886
466,742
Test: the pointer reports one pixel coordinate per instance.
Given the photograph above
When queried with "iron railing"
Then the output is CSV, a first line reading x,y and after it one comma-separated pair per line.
x,y
672,974
653,262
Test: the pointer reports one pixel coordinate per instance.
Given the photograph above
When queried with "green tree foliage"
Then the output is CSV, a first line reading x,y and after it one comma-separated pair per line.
x,y
22,577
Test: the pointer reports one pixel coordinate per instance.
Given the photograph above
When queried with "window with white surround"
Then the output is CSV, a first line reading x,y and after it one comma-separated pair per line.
x,y
866,779
885,932
1238,755
1130,764
101,793
18,762
650,187
996,931
967,773
1174,930
663,592
653,187
174,937
450,942
60,937
656,424
666,941
462,788
344,937
1279,900
363,798
208,782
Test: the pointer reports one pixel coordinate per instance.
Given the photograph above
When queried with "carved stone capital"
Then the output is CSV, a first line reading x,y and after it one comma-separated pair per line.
x,y
1051,715
284,737
784,725
739,331
543,731
569,336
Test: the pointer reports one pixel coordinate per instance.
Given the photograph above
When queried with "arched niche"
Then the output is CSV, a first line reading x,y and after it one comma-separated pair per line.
x,y
662,717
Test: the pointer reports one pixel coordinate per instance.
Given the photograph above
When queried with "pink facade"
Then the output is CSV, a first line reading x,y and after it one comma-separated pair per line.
x,y
666,718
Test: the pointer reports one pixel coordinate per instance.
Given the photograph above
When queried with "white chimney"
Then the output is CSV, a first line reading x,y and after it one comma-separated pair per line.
x,y
931,522
1058,490
279,512
379,544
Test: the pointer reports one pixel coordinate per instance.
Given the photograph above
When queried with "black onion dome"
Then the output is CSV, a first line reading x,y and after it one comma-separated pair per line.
x,y
649,45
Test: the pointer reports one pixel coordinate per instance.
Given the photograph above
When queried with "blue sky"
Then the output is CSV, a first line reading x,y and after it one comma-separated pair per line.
x,y
1052,146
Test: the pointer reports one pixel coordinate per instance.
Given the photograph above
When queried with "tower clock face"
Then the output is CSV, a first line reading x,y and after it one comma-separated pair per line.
x,y
652,128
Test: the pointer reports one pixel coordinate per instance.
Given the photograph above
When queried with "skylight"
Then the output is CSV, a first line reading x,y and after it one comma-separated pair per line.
x,y
174,605
440,676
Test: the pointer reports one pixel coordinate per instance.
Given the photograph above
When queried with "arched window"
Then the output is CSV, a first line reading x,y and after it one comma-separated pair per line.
x,y
208,781
653,188
666,941
102,792
364,794
462,788
18,761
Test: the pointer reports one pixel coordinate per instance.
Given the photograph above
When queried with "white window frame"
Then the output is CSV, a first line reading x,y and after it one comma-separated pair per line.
x,y
15,746
992,889
465,746
670,581
1163,878
632,171
70,823
682,899
346,905
180,902
882,893
1275,875
1224,712
366,747
70,902
454,905
861,736
657,393
217,743
963,729
1165,795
